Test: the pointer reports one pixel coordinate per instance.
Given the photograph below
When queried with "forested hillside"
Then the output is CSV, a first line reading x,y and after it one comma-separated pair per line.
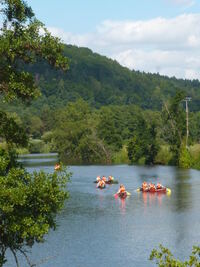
x,y
101,81
98,110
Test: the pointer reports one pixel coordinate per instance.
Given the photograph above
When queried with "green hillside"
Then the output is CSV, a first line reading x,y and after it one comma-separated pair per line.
x,y
101,81
101,112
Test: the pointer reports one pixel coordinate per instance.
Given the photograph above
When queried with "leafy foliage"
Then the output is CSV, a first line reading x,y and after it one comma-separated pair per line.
x,y
75,135
164,258
143,144
28,205
28,202
11,131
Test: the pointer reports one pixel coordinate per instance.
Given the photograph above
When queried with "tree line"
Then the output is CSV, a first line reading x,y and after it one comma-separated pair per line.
x,y
83,134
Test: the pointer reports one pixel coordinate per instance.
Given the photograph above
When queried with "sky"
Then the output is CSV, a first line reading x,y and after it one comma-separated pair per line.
x,y
157,36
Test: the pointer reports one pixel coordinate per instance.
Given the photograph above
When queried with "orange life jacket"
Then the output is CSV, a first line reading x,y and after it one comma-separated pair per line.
x,y
104,178
57,167
159,186
145,185
152,186
122,189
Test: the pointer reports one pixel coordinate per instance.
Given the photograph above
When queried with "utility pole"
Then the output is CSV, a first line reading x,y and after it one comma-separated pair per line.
x,y
187,120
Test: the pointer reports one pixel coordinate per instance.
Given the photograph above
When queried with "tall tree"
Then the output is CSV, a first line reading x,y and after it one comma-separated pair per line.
x,y
143,144
28,202
174,130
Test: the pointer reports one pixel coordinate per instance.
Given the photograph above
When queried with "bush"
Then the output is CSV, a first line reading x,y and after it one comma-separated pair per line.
x,y
121,157
36,146
185,159
164,258
164,155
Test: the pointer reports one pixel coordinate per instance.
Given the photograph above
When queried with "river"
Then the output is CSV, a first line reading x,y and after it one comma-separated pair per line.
x,y
95,229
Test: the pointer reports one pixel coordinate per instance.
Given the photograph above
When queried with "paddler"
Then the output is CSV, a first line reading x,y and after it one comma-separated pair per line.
x,y
104,179
57,167
159,186
145,186
152,187
110,178
121,190
98,179
101,184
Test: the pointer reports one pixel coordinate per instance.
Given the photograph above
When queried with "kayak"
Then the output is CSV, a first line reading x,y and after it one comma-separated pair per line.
x,y
162,190
123,195
109,182
112,182
101,187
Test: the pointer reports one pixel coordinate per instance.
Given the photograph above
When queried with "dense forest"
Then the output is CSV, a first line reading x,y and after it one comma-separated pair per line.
x,y
98,110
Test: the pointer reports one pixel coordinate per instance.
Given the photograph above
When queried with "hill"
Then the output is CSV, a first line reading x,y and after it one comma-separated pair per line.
x,y
102,81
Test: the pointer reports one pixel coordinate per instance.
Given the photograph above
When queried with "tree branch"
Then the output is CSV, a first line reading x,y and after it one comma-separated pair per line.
x,y
15,256
27,258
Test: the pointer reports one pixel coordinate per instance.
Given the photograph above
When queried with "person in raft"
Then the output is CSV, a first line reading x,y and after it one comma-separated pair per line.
x,y
159,186
57,167
152,187
110,178
101,184
122,190
104,179
145,186
98,179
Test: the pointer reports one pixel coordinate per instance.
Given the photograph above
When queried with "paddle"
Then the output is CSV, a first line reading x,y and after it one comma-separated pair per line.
x,y
169,191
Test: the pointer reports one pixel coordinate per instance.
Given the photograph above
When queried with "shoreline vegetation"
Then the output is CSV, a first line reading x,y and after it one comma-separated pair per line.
x,y
163,157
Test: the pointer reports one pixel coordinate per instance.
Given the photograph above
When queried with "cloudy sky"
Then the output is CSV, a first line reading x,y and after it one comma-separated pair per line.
x,y
147,35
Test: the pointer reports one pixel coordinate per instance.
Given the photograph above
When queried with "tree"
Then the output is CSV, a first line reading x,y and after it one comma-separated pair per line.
x,y
143,144
28,206
28,202
22,43
75,135
174,130
164,258
108,130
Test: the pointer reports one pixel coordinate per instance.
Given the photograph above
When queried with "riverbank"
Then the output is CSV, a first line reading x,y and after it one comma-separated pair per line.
x,y
164,156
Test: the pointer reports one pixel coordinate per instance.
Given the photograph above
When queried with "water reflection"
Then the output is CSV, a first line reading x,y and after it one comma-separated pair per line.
x,y
183,190
182,201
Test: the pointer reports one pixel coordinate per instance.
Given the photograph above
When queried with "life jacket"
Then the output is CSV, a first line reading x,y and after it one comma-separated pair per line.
x,y
145,186
122,189
152,187
57,167
159,186
102,183
98,178
104,178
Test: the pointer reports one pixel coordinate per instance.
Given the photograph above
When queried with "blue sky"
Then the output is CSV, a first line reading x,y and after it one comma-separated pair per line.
x,y
147,35
79,16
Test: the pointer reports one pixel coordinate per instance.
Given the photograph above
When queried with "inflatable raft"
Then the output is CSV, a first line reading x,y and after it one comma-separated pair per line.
x,y
161,190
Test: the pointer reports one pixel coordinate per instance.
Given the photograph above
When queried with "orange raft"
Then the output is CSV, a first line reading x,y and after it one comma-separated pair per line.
x,y
161,190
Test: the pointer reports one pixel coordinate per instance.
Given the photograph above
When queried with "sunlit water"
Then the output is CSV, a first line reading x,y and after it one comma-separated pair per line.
x,y
95,229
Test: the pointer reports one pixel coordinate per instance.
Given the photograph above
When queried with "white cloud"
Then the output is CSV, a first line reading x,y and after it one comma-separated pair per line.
x,y
168,46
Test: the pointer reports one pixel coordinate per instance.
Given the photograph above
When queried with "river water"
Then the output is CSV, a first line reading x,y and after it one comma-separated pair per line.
x,y
95,229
